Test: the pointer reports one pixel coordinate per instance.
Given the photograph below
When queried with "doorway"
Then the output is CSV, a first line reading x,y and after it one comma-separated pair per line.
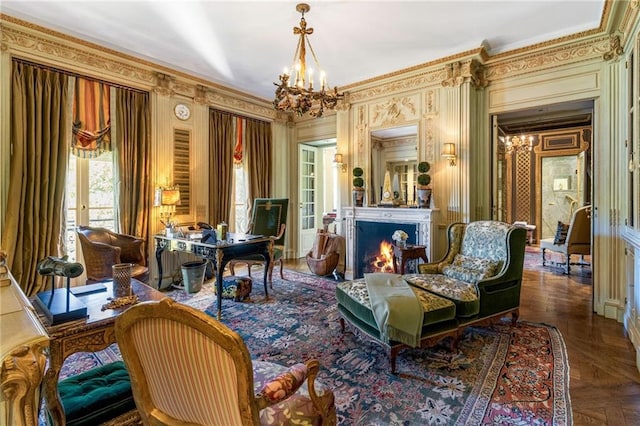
x,y
317,190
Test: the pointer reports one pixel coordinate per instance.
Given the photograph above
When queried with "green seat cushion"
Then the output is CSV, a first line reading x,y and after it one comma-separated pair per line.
x,y
462,293
354,297
97,395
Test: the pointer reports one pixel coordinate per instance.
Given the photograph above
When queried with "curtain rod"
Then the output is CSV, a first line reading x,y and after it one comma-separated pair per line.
x,y
74,74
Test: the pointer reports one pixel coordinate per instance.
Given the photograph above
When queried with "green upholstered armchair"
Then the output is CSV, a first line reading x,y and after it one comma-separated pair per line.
x,y
485,258
269,218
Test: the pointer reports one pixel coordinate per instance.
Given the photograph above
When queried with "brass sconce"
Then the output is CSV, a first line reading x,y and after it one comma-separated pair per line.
x,y
337,160
449,152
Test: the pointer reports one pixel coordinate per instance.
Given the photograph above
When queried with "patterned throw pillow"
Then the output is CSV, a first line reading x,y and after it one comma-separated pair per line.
x,y
561,233
471,269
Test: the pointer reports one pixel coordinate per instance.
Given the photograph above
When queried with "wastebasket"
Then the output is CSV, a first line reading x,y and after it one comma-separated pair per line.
x,y
193,275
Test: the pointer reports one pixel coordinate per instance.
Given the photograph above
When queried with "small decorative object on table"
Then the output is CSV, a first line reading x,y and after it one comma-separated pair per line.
x,y
400,238
121,273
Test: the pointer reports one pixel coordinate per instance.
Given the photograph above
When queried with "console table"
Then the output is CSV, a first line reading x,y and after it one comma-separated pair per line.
x,y
90,334
219,253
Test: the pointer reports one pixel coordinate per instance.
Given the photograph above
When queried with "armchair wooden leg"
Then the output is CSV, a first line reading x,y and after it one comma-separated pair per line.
x,y
543,259
514,317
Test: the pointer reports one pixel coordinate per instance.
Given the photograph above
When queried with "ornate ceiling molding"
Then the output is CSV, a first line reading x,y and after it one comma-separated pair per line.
x,y
429,78
38,44
572,53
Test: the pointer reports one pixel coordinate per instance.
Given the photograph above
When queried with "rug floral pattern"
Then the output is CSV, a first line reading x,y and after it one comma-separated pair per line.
x,y
498,375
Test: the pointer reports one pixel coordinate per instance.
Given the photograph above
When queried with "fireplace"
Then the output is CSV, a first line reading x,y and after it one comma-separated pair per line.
x,y
381,222
374,246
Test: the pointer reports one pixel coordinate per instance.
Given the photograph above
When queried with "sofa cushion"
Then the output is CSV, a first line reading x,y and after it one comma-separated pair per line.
x,y
463,294
96,395
353,295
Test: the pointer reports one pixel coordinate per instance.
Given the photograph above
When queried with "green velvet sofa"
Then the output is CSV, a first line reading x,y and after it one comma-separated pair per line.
x,y
477,282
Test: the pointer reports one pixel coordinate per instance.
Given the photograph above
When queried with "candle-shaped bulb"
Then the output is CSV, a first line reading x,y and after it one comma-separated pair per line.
x,y
310,79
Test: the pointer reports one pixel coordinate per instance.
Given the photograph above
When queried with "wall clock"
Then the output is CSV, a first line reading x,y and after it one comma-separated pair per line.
x,y
182,111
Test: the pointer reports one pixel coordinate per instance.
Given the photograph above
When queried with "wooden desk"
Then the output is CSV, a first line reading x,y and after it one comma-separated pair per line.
x,y
90,334
403,254
220,253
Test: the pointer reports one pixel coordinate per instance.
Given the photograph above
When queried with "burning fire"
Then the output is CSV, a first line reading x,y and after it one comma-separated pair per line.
x,y
383,261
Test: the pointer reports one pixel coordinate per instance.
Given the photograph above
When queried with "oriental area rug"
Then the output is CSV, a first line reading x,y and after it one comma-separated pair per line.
x,y
497,375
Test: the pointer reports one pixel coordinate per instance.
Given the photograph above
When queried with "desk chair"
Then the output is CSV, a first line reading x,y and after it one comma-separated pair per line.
x,y
577,242
268,218
187,368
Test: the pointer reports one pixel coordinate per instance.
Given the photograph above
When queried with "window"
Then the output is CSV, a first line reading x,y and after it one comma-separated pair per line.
x,y
90,197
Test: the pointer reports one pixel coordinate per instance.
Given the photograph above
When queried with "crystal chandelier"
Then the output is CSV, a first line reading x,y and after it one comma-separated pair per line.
x,y
291,94
518,144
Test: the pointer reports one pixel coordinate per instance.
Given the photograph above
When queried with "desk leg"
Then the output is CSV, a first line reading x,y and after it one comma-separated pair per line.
x,y
220,264
50,383
268,255
160,246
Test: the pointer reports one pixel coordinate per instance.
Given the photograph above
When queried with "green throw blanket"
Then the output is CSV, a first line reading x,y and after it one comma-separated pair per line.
x,y
396,308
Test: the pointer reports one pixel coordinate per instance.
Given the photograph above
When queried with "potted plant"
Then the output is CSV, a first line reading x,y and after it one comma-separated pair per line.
x,y
423,188
358,187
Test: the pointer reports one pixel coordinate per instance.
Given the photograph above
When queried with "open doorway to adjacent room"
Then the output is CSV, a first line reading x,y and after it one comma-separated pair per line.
x,y
318,189
542,169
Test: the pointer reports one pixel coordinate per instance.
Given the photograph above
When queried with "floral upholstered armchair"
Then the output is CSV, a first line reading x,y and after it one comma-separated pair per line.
x,y
187,368
481,271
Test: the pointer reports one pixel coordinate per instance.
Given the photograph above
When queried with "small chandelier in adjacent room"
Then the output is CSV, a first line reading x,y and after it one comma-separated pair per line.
x,y
295,92
516,144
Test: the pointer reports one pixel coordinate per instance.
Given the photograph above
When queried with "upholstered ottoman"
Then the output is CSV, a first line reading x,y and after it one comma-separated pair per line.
x,y
236,288
439,319
97,395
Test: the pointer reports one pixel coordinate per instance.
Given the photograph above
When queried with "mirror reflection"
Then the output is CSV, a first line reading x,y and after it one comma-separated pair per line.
x,y
394,165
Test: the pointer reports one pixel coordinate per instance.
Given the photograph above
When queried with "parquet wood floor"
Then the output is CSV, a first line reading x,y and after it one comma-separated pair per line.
x,y
604,381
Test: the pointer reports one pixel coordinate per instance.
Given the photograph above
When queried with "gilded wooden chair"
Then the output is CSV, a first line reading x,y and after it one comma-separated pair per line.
x,y
187,368
269,218
102,248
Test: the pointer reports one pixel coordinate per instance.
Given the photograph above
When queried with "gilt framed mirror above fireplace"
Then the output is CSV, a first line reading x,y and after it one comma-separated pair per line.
x,y
367,229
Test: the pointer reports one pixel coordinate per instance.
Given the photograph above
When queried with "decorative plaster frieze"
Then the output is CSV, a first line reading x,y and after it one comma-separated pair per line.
x,y
393,111
429,102
459,73
576,52
429,138
240,106
429,78
616,49
361,132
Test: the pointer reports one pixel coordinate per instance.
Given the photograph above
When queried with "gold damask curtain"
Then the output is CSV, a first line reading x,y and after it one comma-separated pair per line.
x,y
221,149
258,156
40,130
133,151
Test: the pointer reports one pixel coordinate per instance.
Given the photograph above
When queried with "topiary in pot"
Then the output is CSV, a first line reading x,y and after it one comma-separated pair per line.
x,y
358,181
423,178
358,187
422,188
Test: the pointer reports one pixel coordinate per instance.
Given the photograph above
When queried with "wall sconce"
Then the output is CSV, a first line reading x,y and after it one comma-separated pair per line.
x,y
449,152
337,160
167,199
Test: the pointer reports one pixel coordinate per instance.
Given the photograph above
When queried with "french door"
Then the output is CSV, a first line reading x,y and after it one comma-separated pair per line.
x,y
89,198
308,172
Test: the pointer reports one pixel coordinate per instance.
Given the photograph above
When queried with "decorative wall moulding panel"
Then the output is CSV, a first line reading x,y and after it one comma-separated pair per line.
x,y
397,110
519,93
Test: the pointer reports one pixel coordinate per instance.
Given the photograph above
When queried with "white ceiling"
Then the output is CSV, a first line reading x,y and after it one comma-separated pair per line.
x,y
246,44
